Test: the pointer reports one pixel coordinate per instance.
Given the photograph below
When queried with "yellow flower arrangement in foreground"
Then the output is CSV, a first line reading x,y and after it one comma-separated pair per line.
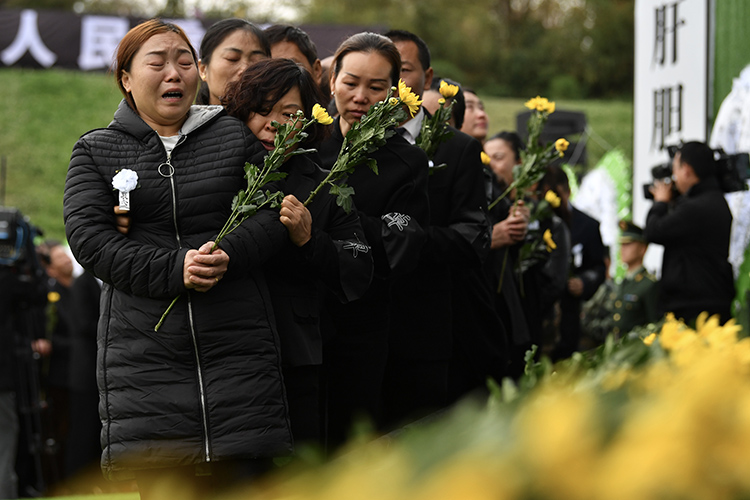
x,y
628,421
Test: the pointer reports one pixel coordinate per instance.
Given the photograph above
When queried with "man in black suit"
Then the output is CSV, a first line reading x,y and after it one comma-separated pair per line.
x,y
587,269
445,317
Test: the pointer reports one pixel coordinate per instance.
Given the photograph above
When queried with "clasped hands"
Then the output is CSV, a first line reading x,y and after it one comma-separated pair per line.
x,y
513,228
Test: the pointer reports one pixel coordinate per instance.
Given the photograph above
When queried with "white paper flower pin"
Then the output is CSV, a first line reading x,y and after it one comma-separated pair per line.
x,y
125,181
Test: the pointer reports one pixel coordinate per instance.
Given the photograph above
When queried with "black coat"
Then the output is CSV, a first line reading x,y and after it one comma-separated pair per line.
x,y
399,189
207,386
394,210
695,233
458,241
86,293
337,258
587,253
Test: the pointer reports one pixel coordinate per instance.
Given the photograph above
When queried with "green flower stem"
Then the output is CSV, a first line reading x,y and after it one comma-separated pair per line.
x,y
246,203
164,316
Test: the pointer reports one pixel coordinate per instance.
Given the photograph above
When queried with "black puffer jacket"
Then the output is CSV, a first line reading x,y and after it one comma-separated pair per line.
x,y
207,386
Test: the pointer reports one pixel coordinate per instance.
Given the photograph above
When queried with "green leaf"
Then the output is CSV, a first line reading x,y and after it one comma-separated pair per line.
x,y
373,165
248,209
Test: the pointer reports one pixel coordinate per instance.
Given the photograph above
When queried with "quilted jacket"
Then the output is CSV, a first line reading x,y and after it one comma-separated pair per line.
x,y
207,386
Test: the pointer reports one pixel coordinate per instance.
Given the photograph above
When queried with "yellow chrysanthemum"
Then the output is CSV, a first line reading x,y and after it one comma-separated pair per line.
x,y
650,339
393,101
532,103
541,104
441,101
485,158
447,90
408,97
552,199
321,115
551,245
53,297
561,145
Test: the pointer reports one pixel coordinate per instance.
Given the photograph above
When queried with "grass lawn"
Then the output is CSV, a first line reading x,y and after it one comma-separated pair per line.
x,y
45,111
43,114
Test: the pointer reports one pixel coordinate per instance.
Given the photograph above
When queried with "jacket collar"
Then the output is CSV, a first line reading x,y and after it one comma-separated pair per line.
x,y
129,121
704,186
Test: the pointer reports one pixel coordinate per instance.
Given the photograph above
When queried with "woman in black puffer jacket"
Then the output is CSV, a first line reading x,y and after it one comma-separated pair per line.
x,y
203,394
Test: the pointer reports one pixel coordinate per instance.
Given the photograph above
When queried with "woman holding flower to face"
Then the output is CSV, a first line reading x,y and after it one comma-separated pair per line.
x,y
394,210
329,247
170,399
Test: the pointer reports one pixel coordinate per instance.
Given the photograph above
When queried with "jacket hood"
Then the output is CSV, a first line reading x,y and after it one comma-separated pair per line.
x,y
127,120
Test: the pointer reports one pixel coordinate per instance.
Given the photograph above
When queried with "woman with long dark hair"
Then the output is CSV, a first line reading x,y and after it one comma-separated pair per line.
x,y
228,48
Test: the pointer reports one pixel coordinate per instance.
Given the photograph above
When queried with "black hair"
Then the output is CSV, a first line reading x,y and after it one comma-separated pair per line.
x,y
215,35
261,86
513,139
700,157
459,103
288,33
369,42
423,51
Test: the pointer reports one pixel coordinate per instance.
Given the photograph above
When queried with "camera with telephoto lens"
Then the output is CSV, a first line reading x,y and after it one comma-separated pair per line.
x,y
662,173
732,172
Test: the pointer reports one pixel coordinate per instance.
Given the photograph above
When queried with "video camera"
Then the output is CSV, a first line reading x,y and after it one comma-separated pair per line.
x,y
732,172
16,238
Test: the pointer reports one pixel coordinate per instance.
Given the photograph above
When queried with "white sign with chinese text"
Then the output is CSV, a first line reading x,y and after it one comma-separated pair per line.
x,y
672,67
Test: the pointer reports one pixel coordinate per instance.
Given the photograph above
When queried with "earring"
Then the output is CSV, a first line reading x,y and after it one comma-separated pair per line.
x,y
333,93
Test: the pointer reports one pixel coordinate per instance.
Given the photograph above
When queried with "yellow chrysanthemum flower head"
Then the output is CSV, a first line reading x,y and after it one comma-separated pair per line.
x,y
485,158
649,339
552,198
541,104
561,145
321,115
53,297
441,101
408,97
551,245
446,90
393,101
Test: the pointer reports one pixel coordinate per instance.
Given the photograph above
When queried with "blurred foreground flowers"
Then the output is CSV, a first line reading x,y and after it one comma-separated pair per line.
x,y
627,421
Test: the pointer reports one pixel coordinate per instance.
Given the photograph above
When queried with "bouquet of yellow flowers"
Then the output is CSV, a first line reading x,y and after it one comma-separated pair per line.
x,y
366,136
536,157
434,129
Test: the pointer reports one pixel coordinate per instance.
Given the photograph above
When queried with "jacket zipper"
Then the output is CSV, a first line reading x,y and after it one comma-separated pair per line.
x,y
194,338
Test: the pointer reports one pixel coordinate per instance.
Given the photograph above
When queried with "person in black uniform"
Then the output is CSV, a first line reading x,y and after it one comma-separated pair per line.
x,y
586,269
446,337
394,209
695,230
330,250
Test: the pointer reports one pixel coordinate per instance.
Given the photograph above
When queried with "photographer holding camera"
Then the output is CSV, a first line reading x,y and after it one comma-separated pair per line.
x,y
694,229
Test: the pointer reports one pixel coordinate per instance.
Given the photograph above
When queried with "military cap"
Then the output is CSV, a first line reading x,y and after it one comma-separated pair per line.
x,y
630,232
